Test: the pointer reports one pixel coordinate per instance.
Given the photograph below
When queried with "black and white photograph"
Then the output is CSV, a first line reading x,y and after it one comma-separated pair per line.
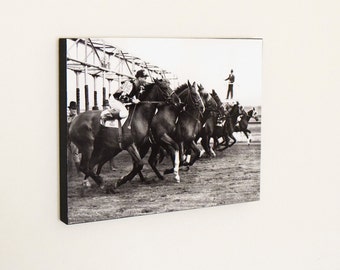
x,y
155,125
170,135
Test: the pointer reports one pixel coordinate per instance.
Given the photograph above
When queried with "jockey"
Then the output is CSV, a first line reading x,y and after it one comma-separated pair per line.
x,y
243,113
127,93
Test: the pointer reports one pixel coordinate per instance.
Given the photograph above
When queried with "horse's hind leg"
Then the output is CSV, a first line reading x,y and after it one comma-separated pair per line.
x,y
234,140
86,153
137,165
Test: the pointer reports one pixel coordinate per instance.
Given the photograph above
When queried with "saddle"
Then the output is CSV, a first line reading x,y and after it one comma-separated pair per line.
x,y
111,119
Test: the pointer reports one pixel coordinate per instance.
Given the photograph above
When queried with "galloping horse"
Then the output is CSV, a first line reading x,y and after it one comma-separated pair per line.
x,y
162,128
209,122
98,144
189,121
226,131
242,125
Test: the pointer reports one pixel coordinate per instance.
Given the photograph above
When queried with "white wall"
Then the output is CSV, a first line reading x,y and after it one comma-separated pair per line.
x,y
296,225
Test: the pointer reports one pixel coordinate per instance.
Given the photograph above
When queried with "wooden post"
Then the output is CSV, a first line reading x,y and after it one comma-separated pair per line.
x,y
86,88
77,91
110,87
104,89
95,106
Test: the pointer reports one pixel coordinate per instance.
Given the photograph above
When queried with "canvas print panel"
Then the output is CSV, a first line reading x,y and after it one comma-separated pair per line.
x,y
150,126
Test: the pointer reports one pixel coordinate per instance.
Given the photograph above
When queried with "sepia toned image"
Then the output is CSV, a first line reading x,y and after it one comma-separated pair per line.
x,y
155,125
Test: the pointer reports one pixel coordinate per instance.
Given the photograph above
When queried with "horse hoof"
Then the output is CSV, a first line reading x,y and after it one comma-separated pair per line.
x,y
86,183
110,190
177,179
185,168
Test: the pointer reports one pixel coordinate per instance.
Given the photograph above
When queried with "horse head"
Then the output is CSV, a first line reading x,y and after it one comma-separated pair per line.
x,y
194,98
218,101
159,91
170,96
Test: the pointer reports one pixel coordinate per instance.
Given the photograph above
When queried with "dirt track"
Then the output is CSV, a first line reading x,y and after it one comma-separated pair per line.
x,y
232,177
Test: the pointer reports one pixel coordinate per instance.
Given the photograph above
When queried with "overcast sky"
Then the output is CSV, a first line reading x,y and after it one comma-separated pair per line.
x,y
206,61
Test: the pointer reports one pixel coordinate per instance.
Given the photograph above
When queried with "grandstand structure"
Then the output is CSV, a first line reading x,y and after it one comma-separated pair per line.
x,y
99,68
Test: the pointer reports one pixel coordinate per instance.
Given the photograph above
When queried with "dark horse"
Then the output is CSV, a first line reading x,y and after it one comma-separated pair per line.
x,y
227,129
188,123
221,117
98,144
242,125
162,129
210,116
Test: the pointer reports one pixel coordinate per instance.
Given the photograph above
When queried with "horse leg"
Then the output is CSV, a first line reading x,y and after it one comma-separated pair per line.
x,y
106,157
173,148
143,150
153,160
225,142
248,137
205,143
234,140
197,152
100,156
184,155
162,154
137,165
216,142
87,152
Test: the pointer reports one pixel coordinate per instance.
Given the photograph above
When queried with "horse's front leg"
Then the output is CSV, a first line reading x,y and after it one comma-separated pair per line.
x,y
153,160
173,148
143,150
248,136
197,151
234,140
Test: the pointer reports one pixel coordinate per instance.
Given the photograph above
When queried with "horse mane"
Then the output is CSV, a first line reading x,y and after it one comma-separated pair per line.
x,y
216,98
146,90
181,88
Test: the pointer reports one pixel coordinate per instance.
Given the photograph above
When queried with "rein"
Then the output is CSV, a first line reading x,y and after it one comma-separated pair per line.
x,y
159,90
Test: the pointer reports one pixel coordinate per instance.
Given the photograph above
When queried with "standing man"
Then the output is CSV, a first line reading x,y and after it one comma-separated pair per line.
x,y
231,79
72,113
